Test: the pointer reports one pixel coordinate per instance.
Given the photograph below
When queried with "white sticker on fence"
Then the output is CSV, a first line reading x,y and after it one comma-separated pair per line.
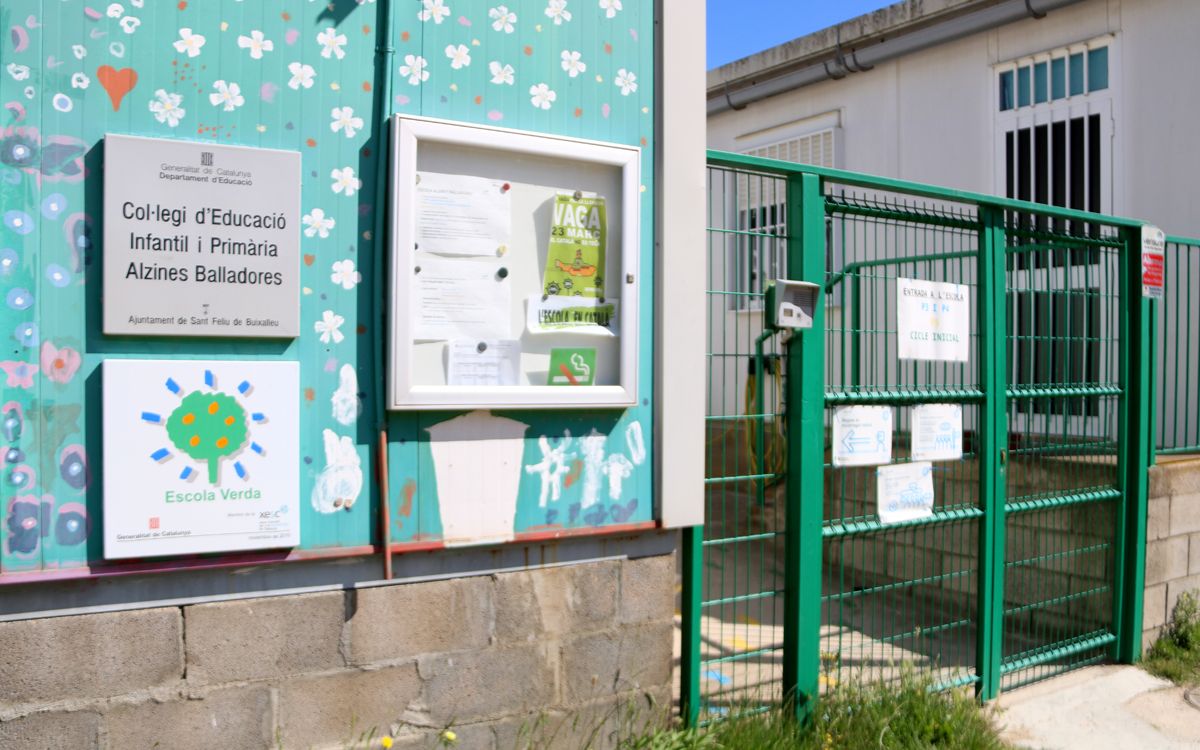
x,y
862,435
904,492
937,432
933,320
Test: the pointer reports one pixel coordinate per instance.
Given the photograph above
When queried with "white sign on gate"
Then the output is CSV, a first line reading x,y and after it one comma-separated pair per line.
x,y
933,320
200,456
862,435
200,239
904,492
937,432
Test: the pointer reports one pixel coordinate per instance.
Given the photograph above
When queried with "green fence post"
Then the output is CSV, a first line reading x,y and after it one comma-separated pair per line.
x,y
805,451
1132,452
689,658
993,445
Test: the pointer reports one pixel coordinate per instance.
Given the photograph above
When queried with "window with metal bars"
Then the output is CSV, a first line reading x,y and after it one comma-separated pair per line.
x,y
1055,131
756,256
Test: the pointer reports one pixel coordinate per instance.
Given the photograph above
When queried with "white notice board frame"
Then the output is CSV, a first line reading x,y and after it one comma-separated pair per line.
x,y
405,391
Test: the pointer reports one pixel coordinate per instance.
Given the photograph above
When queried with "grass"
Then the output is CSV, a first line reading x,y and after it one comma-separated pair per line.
x,y
1175,656
907,715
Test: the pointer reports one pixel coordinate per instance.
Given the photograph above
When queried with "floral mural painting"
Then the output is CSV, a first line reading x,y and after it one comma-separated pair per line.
x,y
299,77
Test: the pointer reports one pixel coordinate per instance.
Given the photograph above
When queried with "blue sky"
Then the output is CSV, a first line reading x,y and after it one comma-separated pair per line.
x,y
737,28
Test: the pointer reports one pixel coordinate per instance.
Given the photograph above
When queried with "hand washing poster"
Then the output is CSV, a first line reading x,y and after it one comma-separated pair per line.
x,y
200,456
904,492
578,243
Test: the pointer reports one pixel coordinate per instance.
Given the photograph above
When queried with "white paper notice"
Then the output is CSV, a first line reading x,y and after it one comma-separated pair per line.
x,y
461,215
862,435
933,320
584,315
904,492
461,299
474,362
937,432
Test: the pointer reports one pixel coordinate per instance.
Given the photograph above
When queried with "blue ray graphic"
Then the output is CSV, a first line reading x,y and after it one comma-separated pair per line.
x,y
151,417
243,387
256,448
173,387
208,378
241,470
187,472
160,454
258,416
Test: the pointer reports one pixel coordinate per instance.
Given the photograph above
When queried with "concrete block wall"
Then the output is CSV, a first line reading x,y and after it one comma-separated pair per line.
x,y
1172,541
549,657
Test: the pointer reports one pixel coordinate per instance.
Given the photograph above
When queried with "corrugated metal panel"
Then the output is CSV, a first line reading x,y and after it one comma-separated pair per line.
x,y
73,72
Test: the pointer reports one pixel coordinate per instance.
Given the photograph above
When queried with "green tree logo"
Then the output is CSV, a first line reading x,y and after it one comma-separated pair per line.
x,y
208,427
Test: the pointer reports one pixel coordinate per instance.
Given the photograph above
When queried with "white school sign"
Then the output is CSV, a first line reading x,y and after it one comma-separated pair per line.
x,y
200,239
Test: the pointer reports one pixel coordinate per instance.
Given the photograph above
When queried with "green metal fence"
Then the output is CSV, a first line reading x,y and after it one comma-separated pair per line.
x,y
1031,563
1177,345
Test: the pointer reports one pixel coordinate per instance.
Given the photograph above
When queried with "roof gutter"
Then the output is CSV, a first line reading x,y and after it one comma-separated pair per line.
x,y
838,64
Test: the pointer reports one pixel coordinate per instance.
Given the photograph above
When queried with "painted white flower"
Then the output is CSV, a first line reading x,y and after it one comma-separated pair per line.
x,y
189,42
543,97
79,51
129,24
302,75
256,43
610,7
329,326
626,81
345,181
228,94
344,119
18,72
557,9
114,10
345,275
331,43
459,54
435,9
80,81
501,74
502,18
317,223
166,107
415,68
572,64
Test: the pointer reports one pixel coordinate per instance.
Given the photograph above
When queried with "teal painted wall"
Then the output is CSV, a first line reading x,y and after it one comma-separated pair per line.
x,y
72,71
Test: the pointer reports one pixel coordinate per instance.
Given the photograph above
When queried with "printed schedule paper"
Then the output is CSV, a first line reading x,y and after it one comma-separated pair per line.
x,y
461,215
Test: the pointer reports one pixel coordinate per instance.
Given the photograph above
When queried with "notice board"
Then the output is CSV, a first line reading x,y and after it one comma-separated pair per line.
x,y
514,269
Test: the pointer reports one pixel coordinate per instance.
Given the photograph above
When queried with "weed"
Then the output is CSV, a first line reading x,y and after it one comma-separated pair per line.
x,y
1176,654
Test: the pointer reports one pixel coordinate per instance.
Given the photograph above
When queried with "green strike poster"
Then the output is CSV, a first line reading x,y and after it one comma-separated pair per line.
x,y
578,240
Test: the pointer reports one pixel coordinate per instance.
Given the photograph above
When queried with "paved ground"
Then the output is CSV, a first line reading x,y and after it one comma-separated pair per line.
x,y
1099,708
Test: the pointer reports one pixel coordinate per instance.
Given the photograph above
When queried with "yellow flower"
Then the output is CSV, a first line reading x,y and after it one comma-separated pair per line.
x,y
449,736
385,741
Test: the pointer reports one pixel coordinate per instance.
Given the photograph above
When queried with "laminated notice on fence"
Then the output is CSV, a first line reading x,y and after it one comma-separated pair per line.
x,y
937,432
862,435
1154,245
904,492
933,320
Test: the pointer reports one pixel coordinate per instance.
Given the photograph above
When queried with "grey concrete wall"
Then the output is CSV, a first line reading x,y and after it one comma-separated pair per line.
x,y
1172,541
549,657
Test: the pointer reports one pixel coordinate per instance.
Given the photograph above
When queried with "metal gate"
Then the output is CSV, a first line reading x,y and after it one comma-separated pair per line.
x,y
1032,560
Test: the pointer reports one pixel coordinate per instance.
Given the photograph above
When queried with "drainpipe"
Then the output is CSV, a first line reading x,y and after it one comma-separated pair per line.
x,y
385,55
865,58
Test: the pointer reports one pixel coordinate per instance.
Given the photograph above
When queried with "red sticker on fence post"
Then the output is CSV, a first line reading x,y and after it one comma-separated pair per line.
x,y
1154,244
